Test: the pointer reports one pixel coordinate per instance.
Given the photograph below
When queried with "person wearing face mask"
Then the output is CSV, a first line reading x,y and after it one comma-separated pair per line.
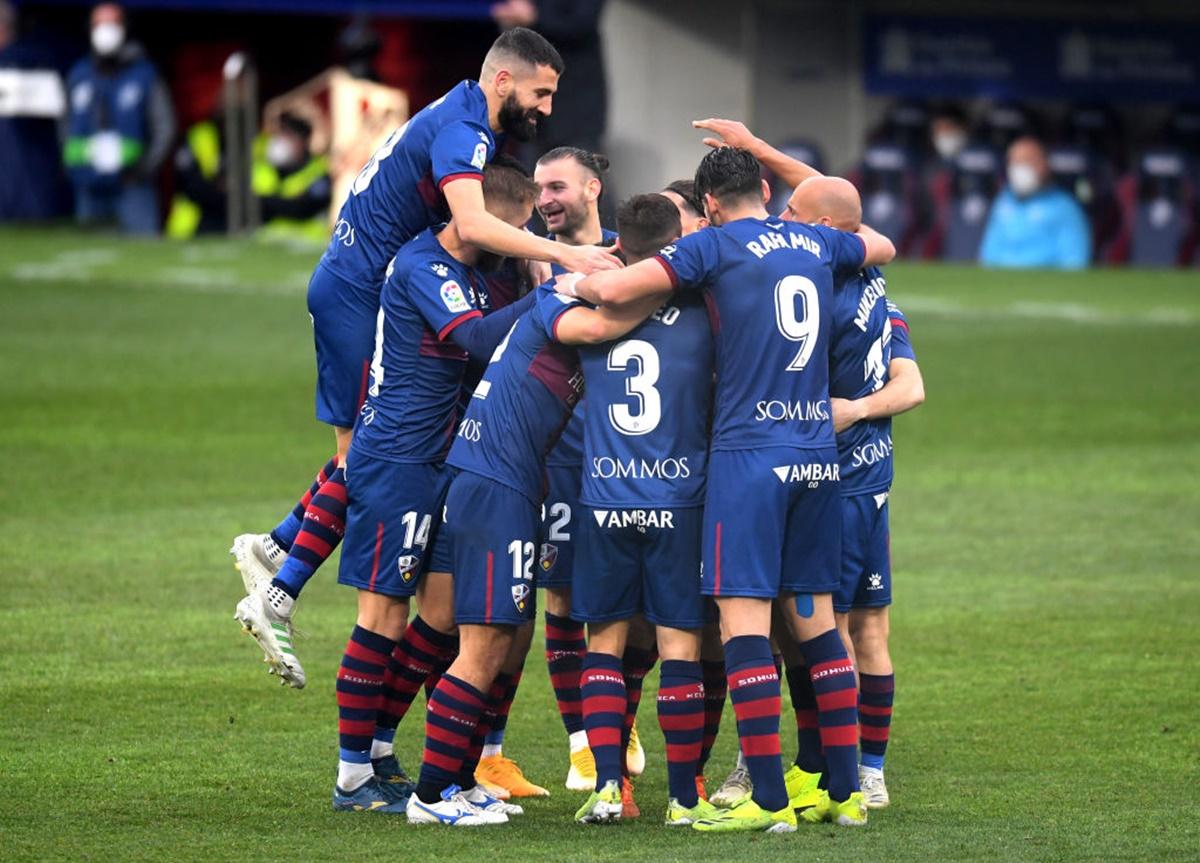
x,y
119,127
291,183
1033,223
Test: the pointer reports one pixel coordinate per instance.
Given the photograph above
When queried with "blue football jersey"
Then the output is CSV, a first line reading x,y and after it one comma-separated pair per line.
x,y
525,398
770,287
868,332
568,452
416,376
650,400
397,194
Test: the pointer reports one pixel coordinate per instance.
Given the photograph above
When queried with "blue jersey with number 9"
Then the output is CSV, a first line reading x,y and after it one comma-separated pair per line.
x,y
398,193
770,285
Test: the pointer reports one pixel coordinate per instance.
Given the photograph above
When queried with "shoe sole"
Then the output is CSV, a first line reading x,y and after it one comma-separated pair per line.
x,y
274,661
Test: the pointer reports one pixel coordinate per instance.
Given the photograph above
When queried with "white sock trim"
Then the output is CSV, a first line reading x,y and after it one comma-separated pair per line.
x,y
577,740
352,776
382,748
490,750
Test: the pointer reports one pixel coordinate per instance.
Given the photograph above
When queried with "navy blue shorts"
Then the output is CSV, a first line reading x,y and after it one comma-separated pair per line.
x,y
344,320
866,554
639,561
772,523
392,513
493,532
556,541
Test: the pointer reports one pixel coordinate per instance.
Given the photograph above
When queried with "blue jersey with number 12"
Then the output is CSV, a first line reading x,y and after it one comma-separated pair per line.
x,y
770,284
398,193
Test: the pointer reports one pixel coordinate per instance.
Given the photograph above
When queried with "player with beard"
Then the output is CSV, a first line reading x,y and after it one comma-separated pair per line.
x,y
428,170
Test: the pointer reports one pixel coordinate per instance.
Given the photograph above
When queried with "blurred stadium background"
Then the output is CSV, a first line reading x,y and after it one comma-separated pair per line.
x,y
914,101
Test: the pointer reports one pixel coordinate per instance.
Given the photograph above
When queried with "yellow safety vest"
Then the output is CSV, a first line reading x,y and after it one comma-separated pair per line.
x,y
185,215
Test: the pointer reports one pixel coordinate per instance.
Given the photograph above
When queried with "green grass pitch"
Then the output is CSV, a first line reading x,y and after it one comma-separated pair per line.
x,y
157,400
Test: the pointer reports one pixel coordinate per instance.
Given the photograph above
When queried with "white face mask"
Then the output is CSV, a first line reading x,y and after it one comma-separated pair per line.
x,y
1023,179
280,151
107,38
949,144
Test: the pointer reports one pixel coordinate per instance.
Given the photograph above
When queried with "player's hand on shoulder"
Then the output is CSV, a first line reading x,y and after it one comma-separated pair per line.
x,y
589,259
539,272
845,413
731,133
567,283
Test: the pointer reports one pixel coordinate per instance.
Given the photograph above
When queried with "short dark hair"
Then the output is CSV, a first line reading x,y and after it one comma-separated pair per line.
x,y
597,163
506,182
728,173
686,189
646,223
527,46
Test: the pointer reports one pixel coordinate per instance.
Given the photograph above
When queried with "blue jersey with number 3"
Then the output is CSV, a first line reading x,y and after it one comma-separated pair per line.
x,y
770,285
868,332
398,193
650,398
526,396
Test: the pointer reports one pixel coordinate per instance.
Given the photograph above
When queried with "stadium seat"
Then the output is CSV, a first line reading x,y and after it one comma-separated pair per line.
x,y
889,183
975,183
1162,218
808,152
1088,176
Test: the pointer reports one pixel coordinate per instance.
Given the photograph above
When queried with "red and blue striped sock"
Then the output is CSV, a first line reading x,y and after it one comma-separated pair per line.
x,y
285,532
495,737
808,733
875,695
636,662
565,649
439,668
416,655
454,711
602,687
716,687
487,721
681,718
324,526
359,692
754,690
833,682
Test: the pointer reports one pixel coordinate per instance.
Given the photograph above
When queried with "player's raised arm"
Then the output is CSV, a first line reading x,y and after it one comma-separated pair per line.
x,y
618,287
585,326
879,249
732,133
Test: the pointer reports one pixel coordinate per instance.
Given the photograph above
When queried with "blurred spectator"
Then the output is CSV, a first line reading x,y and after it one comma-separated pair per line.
x,y
948,134
580,113
1034,223
292,185
119,128
31,99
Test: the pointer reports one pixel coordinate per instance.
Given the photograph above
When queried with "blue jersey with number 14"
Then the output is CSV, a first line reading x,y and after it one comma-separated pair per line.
x,y
398,193
770,286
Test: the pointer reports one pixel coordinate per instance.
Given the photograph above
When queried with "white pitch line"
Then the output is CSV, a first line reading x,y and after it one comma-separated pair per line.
x,y
1074,313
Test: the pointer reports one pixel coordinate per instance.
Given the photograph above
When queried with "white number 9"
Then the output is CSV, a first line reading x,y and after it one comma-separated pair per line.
x,y
802,329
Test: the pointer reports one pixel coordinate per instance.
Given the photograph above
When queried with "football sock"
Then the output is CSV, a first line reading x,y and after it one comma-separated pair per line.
x,y
636,662
493,744
602,685
833,682
285,533
359,688
323,528
454,710
876,692
754,691
565,648
412,661
715,690
681,718
444,661
808,734
487,721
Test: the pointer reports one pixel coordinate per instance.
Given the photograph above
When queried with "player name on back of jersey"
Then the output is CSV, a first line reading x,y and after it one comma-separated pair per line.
x,y
770,241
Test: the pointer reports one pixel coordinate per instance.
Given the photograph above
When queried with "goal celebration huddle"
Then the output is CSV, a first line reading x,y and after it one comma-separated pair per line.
x,y
674,436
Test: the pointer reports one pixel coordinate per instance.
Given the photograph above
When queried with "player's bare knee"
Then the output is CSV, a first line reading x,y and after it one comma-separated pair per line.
x,y
385,615
609,637
558,601
680,644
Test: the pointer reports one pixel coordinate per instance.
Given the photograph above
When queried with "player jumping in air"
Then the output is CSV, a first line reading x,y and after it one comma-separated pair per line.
x,y
427,170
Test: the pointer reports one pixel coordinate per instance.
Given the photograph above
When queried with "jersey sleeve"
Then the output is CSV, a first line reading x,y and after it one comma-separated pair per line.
x,y
691,261
902,348
847,252
550,306
441,300
460,150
